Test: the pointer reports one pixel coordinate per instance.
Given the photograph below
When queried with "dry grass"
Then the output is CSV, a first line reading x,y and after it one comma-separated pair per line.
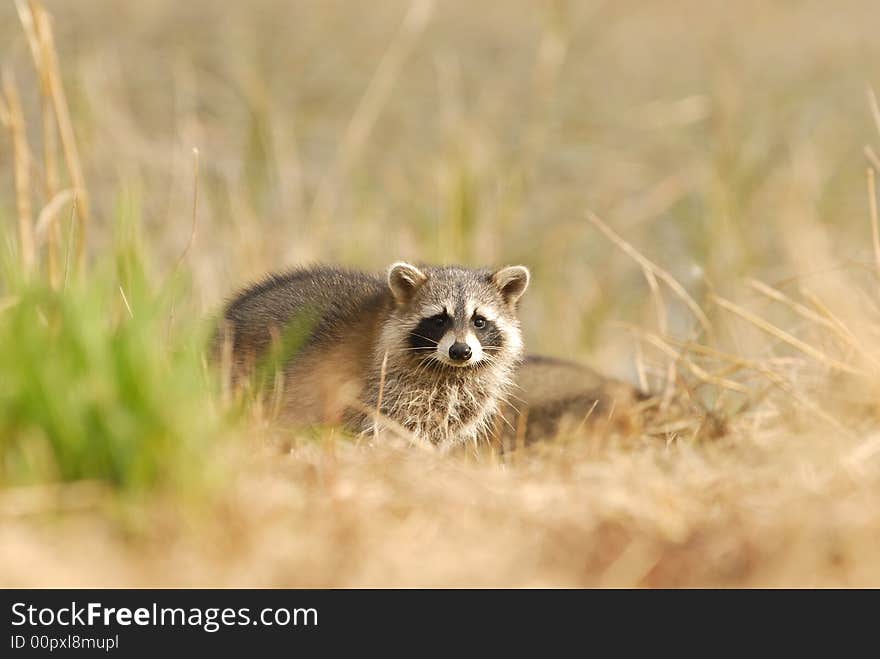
x,y
736,243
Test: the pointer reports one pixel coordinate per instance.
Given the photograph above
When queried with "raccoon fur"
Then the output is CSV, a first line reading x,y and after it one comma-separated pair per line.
x,y
556,397
433,348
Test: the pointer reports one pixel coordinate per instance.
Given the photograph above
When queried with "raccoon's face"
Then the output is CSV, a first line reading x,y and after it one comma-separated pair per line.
x,y
455,317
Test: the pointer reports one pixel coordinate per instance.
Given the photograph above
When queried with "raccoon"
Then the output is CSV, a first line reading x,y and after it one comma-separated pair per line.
x,y
557,397
432,348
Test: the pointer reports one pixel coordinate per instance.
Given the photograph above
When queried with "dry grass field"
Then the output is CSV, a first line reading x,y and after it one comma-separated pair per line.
x,y
691,184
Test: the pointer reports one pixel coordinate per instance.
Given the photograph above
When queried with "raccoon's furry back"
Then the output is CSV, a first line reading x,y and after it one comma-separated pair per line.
x,y
561,397
337,299
337,311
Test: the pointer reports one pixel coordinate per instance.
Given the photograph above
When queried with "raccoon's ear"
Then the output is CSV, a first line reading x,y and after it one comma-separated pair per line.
x,y
512,282
404,280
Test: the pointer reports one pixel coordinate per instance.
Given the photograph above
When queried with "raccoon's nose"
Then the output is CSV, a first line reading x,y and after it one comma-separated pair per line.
x,y
459,351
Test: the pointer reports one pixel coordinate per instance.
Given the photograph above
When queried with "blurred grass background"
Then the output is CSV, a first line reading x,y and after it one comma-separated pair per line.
x,y
726,141
697,129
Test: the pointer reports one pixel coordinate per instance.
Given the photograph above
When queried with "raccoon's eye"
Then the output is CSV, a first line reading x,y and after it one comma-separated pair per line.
x,y
439,320
479,322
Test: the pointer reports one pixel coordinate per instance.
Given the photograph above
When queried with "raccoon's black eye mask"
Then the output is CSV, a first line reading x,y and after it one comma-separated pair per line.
x,y
429,331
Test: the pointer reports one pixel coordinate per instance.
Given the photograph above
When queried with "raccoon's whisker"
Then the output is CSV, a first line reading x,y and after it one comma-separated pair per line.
x,y
426,338
508,395
476,446
421,368
506,422
503,401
